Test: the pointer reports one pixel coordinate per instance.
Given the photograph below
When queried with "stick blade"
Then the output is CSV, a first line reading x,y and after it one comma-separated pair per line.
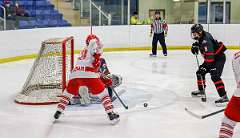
x,y
193,114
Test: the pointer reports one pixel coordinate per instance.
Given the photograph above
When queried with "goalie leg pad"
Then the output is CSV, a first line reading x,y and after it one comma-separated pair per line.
x,y
64,100
106,101
227,128
84,95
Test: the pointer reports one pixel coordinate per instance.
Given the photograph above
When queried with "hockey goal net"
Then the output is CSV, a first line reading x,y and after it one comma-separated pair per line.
x,y
48,76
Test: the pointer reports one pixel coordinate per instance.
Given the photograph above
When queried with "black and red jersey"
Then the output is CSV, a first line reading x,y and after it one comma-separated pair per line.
x,y
210,48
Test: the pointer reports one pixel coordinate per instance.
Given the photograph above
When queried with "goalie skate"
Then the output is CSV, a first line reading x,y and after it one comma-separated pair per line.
x,y
113,117
57,115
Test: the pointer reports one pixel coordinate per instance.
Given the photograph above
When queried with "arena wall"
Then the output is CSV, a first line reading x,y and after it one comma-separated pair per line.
x,y
16,43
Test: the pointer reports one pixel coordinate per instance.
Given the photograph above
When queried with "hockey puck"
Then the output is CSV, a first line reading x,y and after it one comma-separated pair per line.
x,y
145,104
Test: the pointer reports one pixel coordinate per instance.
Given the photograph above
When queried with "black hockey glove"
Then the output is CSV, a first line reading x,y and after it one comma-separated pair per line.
x,y
195,48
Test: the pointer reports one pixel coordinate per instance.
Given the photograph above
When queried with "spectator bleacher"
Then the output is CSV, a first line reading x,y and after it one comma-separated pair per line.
x,y
41,14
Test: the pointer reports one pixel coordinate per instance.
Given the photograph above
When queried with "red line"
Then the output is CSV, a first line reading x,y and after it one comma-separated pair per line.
x,y
220,87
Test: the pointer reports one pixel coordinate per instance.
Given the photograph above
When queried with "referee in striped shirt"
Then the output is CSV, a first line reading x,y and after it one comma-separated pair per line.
x,y
159,28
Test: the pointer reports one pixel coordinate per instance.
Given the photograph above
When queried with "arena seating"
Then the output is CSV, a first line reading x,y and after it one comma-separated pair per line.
x,y
41,14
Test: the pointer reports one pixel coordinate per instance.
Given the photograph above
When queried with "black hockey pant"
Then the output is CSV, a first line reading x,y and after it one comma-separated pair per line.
x,y
215,75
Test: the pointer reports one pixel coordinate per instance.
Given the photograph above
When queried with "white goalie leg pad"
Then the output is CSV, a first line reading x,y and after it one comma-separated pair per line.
x,y
228,121
227,128
106,101
84,95
74,100
64,100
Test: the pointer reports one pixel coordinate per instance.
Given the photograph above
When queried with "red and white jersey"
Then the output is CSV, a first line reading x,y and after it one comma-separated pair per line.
x,y
88,61
236,71
86,57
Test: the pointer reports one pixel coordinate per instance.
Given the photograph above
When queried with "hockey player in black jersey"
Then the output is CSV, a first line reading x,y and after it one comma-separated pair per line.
x,y
214,60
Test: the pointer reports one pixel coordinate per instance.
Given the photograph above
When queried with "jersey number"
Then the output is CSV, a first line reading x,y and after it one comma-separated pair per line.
x,y
83,54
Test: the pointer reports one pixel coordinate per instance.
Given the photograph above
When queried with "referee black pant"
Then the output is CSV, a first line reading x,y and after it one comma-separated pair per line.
x,y
161,38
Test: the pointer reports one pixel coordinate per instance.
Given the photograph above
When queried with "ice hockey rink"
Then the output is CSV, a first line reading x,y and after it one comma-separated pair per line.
x,y
164,83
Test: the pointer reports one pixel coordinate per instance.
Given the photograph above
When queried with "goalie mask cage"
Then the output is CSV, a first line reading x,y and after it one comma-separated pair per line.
x,y
48,76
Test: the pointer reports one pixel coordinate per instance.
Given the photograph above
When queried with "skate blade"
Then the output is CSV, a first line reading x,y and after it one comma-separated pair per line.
x,y
199,96
204,99
221,104
115,121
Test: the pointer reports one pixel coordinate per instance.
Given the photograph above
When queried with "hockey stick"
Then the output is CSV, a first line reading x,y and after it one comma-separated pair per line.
x,y
197,60
204,99
119,94
203,116
124,105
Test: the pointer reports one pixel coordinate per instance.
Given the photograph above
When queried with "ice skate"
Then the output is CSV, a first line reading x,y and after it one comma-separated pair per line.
x,y
199,93
222,101
152,55
113,117
57,114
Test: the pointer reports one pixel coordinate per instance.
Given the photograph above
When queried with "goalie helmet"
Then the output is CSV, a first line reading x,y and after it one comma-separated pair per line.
x,y
90,37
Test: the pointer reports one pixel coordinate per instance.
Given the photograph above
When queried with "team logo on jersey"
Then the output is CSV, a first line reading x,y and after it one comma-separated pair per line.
x,y
205,48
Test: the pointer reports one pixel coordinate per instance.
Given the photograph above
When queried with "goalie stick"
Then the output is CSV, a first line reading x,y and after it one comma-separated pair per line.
x,y
124,105
119,94
203,116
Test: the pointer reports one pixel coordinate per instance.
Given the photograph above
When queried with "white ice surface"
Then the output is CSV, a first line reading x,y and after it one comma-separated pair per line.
x,y
164,83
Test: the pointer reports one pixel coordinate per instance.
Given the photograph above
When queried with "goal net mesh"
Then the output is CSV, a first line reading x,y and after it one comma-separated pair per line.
x,y
49,72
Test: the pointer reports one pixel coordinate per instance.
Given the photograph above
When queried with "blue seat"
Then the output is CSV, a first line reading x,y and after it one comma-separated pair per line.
x,y
44,7
28,8
39,12
53,23
64,23
44,14
41,3
32,23
23,24
22,3
42,23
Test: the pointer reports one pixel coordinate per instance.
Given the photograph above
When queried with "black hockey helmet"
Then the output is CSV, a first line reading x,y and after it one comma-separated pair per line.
x,y
196,28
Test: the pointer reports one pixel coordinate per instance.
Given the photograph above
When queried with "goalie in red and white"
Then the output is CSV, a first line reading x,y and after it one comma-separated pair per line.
x,y
85,78
110,81
232,111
